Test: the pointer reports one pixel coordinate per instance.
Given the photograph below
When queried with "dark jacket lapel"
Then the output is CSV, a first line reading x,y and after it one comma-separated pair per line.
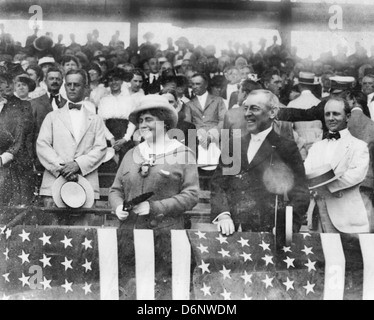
x,y
267,148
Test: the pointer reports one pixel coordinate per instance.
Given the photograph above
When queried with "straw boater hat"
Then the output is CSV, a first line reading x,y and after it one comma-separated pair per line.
x,y
307,78
155,101
340,83
71,194
44,60
321,176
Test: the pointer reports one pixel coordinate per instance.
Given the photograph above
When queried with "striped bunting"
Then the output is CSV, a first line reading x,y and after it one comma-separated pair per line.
x,y
63,263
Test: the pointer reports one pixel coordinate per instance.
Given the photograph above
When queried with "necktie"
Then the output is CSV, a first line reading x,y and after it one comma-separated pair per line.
x,y
55,97
74,106
333,135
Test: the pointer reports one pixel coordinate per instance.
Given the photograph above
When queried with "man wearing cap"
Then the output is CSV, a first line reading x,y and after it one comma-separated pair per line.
x,y
71,141
45,63
310,131
340,85
271,175
341,208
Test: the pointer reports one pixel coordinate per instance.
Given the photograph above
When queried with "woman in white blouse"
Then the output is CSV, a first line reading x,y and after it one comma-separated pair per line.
x,y
115,110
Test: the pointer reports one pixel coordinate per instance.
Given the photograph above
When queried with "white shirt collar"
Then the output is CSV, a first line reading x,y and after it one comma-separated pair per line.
x,y
343,133
306,92
261,136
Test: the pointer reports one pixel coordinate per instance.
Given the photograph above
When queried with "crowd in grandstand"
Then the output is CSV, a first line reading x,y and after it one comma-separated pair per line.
x,y
209,91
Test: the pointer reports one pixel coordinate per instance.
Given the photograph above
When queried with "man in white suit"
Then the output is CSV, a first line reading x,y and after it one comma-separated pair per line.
x,y
342,208
71,140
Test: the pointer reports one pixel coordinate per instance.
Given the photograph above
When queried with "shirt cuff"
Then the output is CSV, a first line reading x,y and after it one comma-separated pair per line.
x,y
215,221
6,157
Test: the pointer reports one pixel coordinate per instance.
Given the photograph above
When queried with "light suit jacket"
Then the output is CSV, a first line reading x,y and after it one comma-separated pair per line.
x,y
344,205
210,117
56,144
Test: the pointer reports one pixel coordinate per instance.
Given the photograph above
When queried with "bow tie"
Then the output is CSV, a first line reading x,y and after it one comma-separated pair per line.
x,y
56,98
333,135
74,106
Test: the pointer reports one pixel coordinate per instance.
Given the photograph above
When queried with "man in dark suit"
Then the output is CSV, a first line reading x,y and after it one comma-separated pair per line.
x,y
41,106
271,174
152,84
51,100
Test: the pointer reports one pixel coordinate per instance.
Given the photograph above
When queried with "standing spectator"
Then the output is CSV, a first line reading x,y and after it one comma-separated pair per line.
x,y
71,142
115,110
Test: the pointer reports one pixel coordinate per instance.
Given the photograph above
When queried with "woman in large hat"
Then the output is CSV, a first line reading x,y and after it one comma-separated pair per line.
x,y
160,165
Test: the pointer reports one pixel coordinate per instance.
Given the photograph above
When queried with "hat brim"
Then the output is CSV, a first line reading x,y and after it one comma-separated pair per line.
x,y
324,183
309,83
172,114
60,181
30,83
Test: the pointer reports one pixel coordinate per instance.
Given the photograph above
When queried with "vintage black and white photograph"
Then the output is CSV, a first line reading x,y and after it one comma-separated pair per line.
x,y
202,150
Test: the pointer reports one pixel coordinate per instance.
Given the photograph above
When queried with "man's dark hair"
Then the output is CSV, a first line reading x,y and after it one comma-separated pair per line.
x,y
54,69
268,75
38,71
361,98
81,72
250,85
202,75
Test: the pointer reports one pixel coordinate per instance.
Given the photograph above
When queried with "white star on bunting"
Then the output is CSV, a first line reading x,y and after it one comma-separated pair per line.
x,y
87,243
246,297
268,259
45,239
46,283
206,290
247,277
200,234
308,250
226,295
309,287
204,267
45,261
8,233
289,284
67,286
222,239
2,230
66,242
87,288
310,265
87,265
268,281
24,257
24,280
6,254
224,253
286,249
305,234
203,248
24,235
243,242
225,272
67,264
246,256
265,246
289,262
6,277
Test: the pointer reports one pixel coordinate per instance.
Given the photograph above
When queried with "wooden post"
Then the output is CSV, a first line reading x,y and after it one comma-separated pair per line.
x,y
285,23
134,13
